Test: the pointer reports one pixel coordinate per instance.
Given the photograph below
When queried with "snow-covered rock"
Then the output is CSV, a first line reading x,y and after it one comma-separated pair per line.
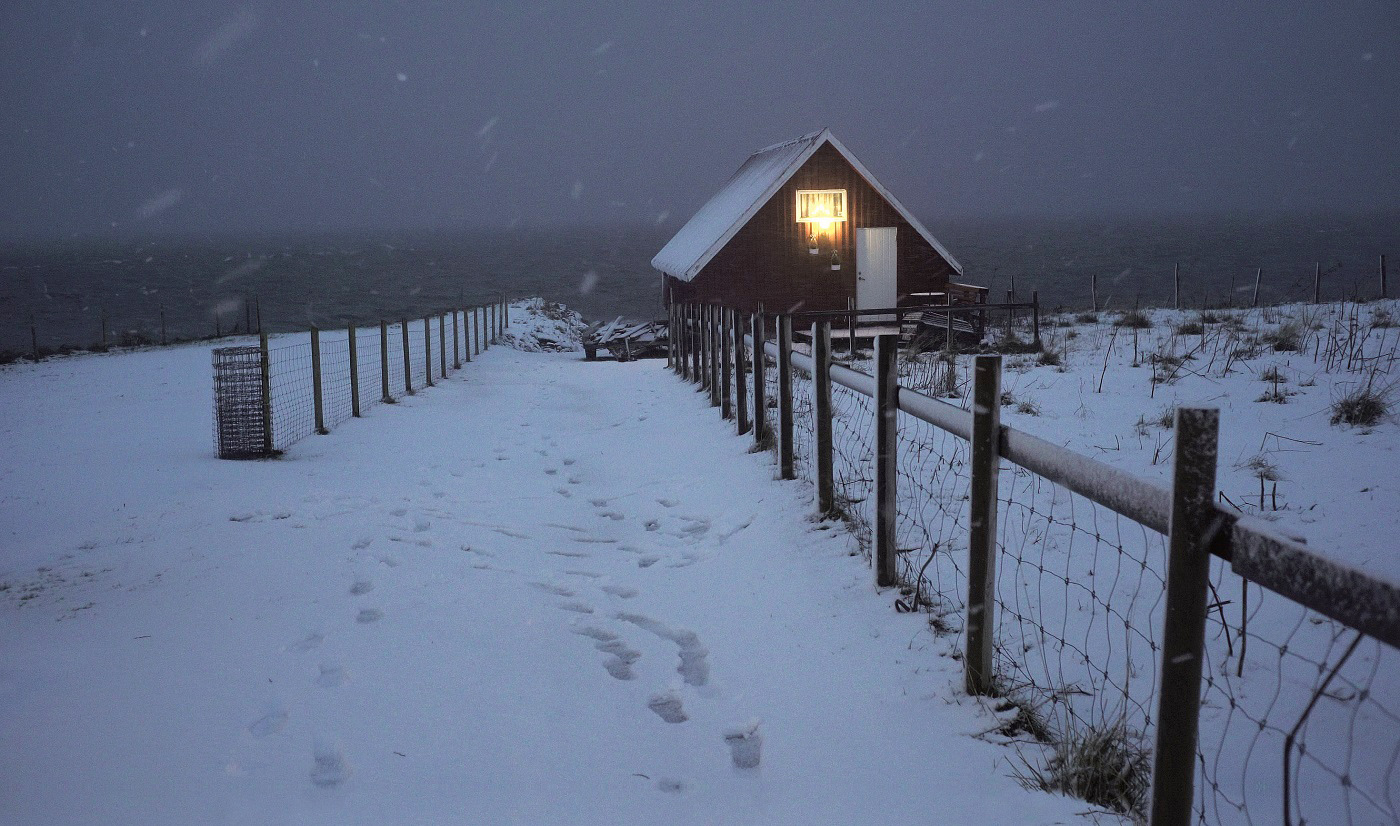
x,y
538,326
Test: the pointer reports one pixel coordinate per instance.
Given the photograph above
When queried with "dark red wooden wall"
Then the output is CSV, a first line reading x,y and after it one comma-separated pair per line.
x,y
767,262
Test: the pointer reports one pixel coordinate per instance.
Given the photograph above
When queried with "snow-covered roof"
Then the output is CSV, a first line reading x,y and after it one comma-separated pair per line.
x,y
760,177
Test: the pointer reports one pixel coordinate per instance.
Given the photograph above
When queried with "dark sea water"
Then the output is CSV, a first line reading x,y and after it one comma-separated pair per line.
x,y
67,290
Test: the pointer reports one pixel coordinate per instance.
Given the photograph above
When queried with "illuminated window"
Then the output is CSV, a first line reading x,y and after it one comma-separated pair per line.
x,y
821,206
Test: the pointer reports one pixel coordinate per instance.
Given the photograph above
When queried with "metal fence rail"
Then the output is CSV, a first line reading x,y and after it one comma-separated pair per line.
x,y
1108,620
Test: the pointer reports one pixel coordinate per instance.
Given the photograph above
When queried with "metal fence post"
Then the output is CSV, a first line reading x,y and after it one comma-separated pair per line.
x,y
1193,523
387,398
741,389
786,457
760,382
407,368
886,444
982,531
821,392
354,372
456,349
266,394
428,350
726,355
316,403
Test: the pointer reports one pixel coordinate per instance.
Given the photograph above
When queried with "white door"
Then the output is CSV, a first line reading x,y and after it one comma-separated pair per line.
x,y
877,270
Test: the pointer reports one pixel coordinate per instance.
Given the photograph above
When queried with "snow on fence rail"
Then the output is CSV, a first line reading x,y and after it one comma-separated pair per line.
x,y
312,382
1112,620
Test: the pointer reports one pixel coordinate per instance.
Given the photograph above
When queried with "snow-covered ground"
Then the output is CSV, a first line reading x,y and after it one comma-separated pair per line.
x,y
545,591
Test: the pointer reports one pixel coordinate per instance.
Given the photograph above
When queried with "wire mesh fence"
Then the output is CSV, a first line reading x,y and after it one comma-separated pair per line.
x,y
388,363
1300,714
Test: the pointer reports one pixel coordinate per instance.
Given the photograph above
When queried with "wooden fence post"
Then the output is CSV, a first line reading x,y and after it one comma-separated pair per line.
x,y
760,384
1192,527
1010,314
982,533
677,333
1258,274
316,403
354,372
697,354
257,311
1317,282
428,351
741,389
821,392
468,332
707,342
407,368
851,327
442,344
1176,286
886,447
491,325
266,395
387,398
786,456
1094,291
726,355
1035,318
948,324
456,349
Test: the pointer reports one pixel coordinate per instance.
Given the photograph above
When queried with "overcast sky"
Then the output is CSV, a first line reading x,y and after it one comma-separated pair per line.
x,y
164,116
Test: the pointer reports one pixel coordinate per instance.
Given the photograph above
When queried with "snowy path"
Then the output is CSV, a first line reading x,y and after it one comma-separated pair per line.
x,y
545,591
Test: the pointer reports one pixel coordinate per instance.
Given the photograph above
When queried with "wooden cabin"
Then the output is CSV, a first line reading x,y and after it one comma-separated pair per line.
x,y
804,226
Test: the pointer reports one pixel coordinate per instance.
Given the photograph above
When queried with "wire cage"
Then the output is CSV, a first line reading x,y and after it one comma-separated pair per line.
x,y
240,427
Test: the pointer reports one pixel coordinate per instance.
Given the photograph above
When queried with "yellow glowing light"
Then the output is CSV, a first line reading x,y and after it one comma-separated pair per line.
x,y
823,207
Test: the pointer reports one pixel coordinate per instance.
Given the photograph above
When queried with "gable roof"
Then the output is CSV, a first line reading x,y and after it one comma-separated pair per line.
x,y
760,177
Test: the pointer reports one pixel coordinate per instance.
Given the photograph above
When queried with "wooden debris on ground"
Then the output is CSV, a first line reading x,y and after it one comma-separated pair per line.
x,y
626,340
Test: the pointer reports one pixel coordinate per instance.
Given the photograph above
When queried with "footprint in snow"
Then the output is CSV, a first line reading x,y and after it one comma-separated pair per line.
x,y
369,615
667,503
648,560
620,659
613,515
332,676
269,723
695,665
569,461
361,586
745,746
310,641
585,574
670,785
667,706
329,768
564,492
420,524
622,591
557,590
577,607
361,543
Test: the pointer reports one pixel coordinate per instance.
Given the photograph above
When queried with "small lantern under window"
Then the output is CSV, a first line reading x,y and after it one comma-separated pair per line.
x,y
835,260
812,243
